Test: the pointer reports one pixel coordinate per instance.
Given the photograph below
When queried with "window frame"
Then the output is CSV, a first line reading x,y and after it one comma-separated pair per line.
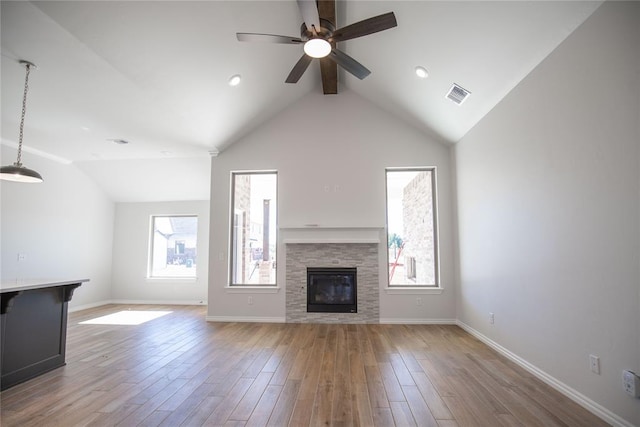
x,y
232,212
437,286
152,236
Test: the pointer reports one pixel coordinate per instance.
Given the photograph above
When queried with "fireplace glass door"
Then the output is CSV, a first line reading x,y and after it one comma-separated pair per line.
x,y
331,290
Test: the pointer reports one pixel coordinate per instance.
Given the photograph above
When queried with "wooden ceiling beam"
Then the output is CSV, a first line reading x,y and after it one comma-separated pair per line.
x,y
328,68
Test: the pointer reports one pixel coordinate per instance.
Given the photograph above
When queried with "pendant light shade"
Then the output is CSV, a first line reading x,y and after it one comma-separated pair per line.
x,y
17,172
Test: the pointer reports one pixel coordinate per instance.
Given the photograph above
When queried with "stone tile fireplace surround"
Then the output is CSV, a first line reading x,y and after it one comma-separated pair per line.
x,y
314,252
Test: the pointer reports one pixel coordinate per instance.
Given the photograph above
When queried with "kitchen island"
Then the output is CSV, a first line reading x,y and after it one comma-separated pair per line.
x,y
34,327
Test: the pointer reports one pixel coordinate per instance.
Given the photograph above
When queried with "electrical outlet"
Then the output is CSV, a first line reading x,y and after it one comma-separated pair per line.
x,y
250,300
492,318
22,257
631,383
418,301
594,364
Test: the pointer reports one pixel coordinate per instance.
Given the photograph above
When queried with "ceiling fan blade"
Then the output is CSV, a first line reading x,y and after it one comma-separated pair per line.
x,y
349,64
267,38
298,70
309,11
366,27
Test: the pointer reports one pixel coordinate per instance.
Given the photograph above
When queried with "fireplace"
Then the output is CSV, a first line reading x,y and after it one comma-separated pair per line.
x,y
331,290
306,253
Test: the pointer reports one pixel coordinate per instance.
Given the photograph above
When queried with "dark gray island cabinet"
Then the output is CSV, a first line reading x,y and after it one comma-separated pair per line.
x,y
34,327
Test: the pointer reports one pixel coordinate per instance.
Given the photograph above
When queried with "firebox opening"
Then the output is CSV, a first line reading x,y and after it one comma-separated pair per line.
x,y
331,290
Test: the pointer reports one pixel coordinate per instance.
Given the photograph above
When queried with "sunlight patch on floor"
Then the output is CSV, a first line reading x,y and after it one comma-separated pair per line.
x,y
126,317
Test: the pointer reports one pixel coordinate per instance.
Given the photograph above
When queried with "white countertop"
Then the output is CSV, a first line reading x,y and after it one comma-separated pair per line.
x,y
27,284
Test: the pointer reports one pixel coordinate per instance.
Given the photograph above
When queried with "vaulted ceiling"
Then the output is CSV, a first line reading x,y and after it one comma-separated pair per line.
x,y
155,73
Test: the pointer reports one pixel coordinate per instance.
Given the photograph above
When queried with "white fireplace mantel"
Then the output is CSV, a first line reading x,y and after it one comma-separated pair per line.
x,y
319,234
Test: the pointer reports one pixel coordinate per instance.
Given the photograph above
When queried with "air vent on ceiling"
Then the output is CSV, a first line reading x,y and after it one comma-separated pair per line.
x,y
458,94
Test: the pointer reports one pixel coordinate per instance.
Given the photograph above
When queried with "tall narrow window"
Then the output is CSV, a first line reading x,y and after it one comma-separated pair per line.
x,y
411,227
173,246
253,228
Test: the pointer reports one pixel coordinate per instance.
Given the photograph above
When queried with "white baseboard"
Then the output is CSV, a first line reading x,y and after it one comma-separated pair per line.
x,y
246,319
158,302
571,393
394,320
134,302
88,306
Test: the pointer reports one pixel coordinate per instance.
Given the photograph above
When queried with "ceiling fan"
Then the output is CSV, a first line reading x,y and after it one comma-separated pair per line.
x,y
319,35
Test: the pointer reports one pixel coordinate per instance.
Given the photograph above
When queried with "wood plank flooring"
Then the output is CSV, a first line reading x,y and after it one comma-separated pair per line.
x,y
179,370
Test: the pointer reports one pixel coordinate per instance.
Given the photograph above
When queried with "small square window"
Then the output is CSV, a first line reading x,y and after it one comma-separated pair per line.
x,y
173,246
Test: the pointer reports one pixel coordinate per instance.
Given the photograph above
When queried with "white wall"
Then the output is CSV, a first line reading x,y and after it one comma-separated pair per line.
x,y
330,153
549,212
151,180
131,255
64,226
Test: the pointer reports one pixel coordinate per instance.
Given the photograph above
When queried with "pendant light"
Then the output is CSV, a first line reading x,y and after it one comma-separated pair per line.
x,y
17,172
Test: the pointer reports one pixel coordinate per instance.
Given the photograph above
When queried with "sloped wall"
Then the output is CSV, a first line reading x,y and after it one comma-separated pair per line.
x,y
549,212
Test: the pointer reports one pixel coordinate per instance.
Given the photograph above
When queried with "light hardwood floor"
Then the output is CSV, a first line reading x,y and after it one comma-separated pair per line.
x,y
179,370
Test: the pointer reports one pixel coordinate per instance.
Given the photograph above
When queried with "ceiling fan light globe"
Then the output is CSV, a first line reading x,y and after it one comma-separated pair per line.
x,y
317,48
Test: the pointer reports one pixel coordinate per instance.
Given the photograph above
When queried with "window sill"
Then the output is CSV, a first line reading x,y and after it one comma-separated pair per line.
x,y
410,290
239,289
172,279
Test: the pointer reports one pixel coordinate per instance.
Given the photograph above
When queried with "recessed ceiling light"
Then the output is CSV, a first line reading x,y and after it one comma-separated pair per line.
x,y
421,72
118,141
235,80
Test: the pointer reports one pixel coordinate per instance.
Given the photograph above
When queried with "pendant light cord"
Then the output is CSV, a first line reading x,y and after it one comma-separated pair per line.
x,y
16,172
24,111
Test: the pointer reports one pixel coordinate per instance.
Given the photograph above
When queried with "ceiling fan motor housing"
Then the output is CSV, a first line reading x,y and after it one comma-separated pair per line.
x,y
324,32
